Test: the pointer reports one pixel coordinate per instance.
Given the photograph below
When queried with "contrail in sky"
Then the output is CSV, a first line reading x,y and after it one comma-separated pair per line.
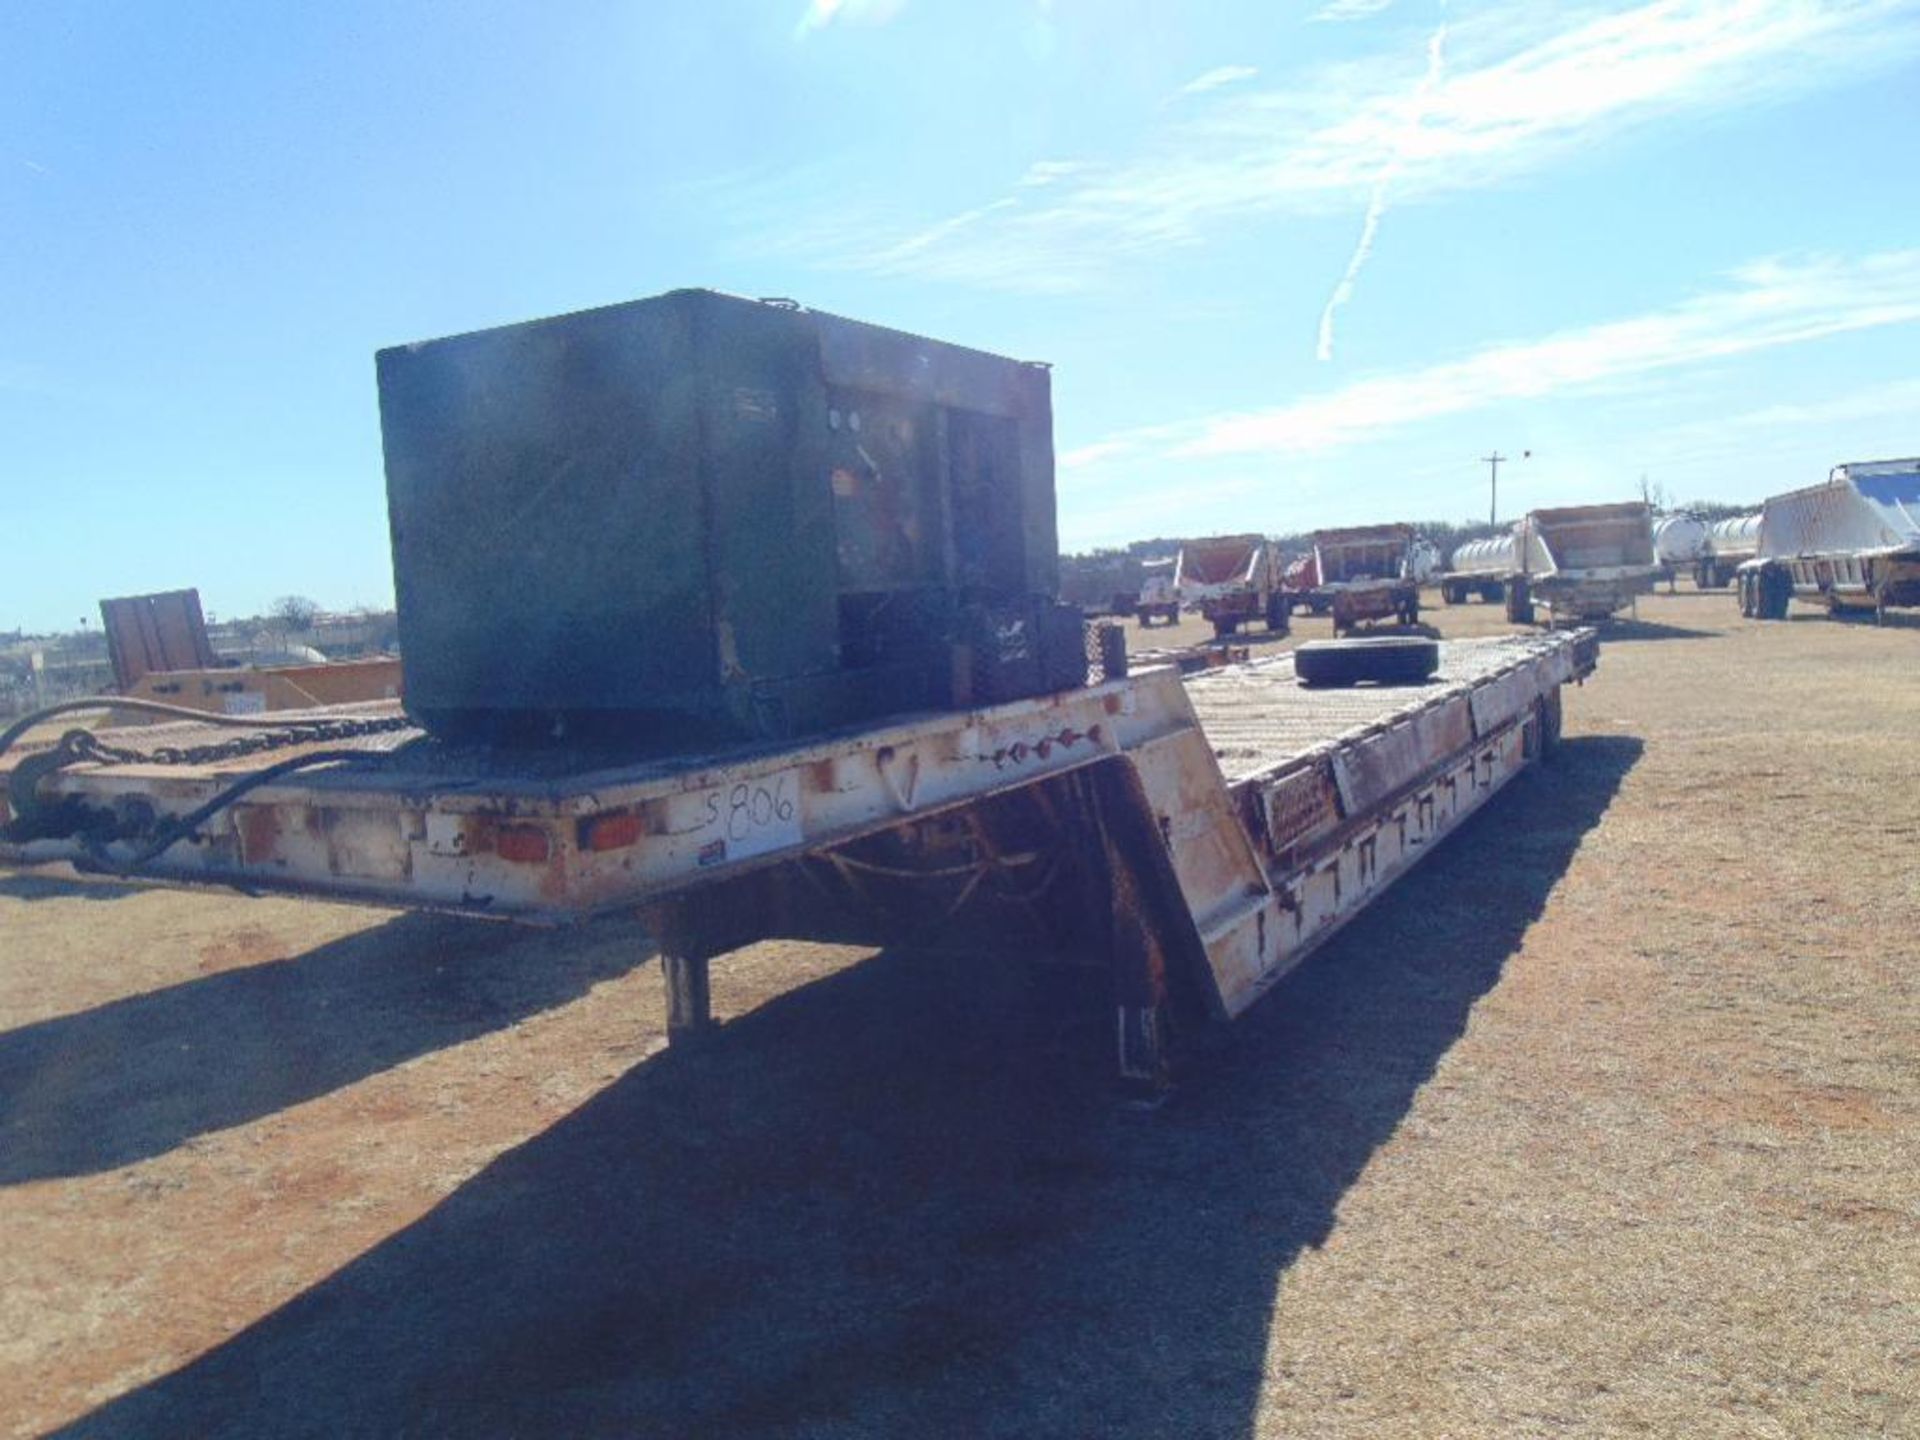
x,y
1377,205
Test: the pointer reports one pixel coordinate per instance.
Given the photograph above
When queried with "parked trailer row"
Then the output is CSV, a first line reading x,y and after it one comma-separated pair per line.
x,y
1193,838
1852,544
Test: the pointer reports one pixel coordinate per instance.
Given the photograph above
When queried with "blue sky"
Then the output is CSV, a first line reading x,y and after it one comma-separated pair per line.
x,y
1678,240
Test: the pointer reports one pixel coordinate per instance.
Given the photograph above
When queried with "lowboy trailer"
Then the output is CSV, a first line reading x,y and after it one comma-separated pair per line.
x,y
1194,837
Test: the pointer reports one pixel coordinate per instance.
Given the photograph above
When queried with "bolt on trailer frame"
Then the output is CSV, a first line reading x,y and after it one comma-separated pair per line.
x,y
1196,837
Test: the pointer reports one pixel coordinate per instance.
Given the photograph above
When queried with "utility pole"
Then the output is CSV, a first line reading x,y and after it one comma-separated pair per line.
x,y
1493,486
1493,463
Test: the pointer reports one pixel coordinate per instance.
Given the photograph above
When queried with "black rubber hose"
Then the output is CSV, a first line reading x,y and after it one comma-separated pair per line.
x,y
183,828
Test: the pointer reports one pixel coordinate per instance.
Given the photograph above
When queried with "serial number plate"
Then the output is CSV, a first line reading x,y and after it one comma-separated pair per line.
x,y
744,818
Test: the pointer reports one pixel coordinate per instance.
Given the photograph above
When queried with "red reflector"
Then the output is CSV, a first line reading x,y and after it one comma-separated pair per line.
x,y
523,844
610,832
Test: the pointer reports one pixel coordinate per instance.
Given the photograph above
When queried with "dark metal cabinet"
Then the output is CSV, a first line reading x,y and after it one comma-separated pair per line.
x,y
698,517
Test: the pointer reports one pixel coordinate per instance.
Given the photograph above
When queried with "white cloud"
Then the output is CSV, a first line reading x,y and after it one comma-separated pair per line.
x,y
1516,96
1377,203
1770,303
1089,455
1896,404
1214,79
1048,172
1898,397
1351,9
822,13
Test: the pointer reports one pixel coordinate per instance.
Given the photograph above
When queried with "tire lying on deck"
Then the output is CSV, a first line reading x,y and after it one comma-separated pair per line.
x,y
1388,659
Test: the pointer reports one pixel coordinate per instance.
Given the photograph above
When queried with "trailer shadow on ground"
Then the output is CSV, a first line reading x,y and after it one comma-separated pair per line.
x,y
1626,629
1892,620
900,1201
137,1077
55,885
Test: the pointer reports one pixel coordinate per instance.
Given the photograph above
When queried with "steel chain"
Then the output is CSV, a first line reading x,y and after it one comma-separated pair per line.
x,y
86,745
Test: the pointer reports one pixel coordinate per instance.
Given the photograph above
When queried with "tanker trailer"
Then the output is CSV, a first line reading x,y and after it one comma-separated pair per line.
x,y
1730,544
1480,567
1678,543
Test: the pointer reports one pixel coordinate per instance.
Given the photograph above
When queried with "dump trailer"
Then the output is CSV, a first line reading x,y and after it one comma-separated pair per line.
x,y
1192,838
1300,583
1233,579
1364,574
1585,563
1852,544
1730,544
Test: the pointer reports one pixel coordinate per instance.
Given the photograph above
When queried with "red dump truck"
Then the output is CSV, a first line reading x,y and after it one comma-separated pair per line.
x,y
1233,579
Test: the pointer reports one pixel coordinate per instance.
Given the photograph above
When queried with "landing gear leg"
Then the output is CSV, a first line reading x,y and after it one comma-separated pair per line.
x,y
1145,1068
689,999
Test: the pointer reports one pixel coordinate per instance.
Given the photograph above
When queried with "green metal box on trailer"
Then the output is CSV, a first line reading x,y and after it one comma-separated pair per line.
x,y
698,517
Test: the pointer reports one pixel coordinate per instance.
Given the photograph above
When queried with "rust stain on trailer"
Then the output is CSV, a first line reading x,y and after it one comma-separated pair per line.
x,y
258,827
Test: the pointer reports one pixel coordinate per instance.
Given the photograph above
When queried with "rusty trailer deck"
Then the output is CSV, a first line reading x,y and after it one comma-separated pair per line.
x,y
1195,836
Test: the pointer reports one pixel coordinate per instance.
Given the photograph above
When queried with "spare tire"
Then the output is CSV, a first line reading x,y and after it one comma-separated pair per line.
x,y
1385,659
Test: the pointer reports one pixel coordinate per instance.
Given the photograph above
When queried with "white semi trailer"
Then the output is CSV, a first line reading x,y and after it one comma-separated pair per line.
x,y
1480,567
1585,563
1852,544
1730,544
1678,543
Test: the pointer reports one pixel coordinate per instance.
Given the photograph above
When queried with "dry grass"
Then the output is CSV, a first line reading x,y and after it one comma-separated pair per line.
x,y
1603,1123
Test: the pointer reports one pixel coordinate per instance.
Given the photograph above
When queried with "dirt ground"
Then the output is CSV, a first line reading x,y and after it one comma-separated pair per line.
x,y
1603,1122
